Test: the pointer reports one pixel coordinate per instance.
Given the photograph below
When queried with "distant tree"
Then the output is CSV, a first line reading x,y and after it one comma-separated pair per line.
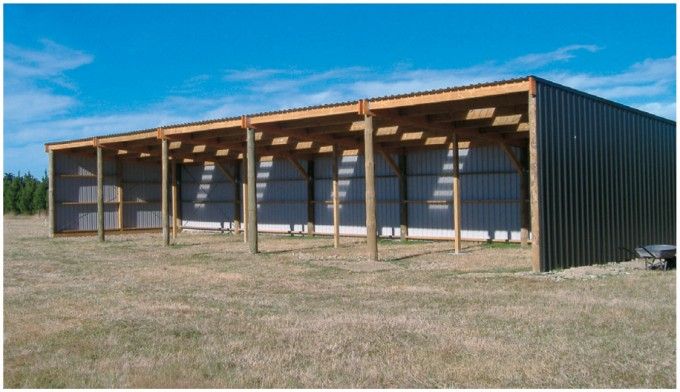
x,y
24,194
11,192
25,200
8,194
40,195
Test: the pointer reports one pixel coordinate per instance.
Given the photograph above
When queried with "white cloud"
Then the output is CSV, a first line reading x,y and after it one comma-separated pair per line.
x,y
33,78
536,60
49,61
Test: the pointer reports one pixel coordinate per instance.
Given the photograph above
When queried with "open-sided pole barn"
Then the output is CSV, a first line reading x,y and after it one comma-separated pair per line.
x,y
525,160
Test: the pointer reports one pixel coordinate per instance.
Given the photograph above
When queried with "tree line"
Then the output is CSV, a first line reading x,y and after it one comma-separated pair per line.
x,y
24,194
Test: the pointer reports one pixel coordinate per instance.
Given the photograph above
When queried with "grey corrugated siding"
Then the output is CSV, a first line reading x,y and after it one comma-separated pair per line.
x,y
143,185
207,197
489,192
606,176
351,190
281,196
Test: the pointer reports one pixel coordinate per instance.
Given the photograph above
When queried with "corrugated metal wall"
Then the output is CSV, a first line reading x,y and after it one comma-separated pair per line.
x,y
606,177
489,192
490,189
352,191
281,197
207,197
142,195
76,194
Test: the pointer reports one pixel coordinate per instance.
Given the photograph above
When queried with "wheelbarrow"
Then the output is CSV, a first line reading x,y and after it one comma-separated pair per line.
x,y
656,256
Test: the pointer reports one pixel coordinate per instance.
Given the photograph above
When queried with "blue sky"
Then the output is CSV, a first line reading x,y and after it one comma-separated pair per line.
x,y
73,71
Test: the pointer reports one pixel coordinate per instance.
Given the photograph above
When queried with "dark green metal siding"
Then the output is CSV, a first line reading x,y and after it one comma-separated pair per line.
x,y
606,178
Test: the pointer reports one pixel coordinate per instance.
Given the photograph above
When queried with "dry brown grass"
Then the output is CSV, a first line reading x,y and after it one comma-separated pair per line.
x,y
205,313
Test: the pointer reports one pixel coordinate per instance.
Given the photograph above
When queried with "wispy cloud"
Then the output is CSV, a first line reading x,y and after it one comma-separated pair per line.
x,y
36,85
536,60
47,62
40,99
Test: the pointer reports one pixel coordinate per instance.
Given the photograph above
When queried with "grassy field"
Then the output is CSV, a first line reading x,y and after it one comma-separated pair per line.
x,y
205,313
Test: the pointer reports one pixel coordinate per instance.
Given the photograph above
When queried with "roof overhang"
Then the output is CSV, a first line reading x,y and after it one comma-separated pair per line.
x,y
485,113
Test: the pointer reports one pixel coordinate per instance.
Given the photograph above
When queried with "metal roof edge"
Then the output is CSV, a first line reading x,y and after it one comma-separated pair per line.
x,y
603,100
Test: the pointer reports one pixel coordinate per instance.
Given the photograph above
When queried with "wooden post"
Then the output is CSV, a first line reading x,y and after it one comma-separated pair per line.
x,y
336,199
456,193
119,192
533,180
403,206
369,169
237,197
50,193
244,205
100,193
164,192
174,200
252,191
310,197
525,218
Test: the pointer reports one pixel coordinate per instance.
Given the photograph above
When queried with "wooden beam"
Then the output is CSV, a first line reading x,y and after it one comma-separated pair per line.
x,y
231,123
252,191
513,160
50,193
336,200
164,192
304,114
175,216
438,128
149,136
244,193
390,162
525,217
100,194
298,167
310,198
303,135
456,195
369,170
119,192
453,95
238,175
68,145
534,166
403,196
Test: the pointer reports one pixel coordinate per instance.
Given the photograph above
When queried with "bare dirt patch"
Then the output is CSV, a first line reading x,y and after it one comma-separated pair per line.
x,y
206,313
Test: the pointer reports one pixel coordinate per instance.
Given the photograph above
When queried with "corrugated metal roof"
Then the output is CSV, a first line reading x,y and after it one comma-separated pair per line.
x,y
305,108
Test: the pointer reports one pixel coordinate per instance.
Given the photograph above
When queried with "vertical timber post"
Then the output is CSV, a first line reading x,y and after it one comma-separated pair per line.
x,y
525,218
310,198
244,196
456,193
252,191
533,179
174,199
336,199
403,206
50,193
119,192
369,170
100,192
164,191
237,197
